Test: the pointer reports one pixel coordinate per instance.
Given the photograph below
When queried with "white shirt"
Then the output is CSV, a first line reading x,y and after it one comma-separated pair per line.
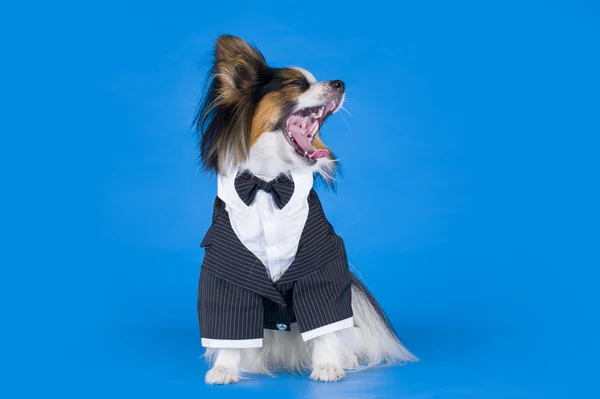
x,y
272,234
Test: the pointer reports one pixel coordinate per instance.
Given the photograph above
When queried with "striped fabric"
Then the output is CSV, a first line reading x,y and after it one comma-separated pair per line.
x,y
281,188
237,299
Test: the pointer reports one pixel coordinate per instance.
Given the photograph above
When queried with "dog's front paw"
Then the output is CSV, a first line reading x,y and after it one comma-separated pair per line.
x,y
327,373
220,375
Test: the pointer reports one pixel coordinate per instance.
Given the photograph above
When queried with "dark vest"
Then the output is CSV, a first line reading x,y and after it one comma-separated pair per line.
x,y
237,299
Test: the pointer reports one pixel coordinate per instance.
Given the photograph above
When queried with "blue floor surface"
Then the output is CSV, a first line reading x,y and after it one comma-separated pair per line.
x,y
468,200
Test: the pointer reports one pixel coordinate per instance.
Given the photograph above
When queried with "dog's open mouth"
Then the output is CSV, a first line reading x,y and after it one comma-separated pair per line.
x,y
302,126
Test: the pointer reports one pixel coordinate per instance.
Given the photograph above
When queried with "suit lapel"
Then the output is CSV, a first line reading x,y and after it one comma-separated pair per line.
x,y
228,258
317,244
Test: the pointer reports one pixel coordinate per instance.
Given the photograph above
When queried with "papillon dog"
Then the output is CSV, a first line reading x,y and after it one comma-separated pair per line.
x,y
276,291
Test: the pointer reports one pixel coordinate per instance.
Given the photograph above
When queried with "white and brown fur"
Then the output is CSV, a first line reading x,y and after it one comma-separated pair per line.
x,y
241,122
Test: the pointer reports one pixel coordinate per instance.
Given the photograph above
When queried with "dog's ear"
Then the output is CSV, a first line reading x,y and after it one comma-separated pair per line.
x,y
237,68
224,116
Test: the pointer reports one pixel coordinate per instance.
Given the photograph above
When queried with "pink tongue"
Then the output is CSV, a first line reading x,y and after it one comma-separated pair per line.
x,y
303,142
319,154
300,127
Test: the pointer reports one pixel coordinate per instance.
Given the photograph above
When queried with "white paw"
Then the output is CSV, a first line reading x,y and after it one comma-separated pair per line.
x,y
220,375
327,372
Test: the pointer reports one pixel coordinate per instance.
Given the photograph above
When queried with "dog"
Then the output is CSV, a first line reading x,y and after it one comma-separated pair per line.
x,y
276,292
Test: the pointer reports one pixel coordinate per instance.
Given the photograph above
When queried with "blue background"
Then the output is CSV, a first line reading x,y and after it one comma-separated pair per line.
x,y
474,130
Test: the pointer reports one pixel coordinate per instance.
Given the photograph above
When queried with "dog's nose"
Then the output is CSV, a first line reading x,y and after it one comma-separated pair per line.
x,y
338,85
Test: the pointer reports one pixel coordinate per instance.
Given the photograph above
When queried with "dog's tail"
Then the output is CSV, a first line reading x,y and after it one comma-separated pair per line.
x,y
378,342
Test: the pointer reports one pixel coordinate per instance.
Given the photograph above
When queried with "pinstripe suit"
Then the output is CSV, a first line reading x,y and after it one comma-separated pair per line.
x,y
238,299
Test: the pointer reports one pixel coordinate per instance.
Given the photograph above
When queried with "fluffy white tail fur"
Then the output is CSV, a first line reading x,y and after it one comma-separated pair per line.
x,y
370,343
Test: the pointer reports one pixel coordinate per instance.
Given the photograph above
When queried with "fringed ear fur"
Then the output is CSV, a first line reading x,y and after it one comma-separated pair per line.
x,y
224,118
237,67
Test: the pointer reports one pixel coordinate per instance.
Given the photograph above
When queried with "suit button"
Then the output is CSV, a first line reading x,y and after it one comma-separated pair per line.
x,y
281,326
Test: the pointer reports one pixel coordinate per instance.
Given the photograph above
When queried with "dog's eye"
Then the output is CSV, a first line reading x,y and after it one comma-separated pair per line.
x,y
297,82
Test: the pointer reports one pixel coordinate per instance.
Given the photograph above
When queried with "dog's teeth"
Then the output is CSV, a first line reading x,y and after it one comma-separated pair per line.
x,y
305,153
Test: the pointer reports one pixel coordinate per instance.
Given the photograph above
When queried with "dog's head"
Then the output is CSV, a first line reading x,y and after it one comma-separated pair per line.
x,y
263,117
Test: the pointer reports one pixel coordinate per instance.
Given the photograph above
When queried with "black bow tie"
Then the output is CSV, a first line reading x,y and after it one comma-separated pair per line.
x,y
281,188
